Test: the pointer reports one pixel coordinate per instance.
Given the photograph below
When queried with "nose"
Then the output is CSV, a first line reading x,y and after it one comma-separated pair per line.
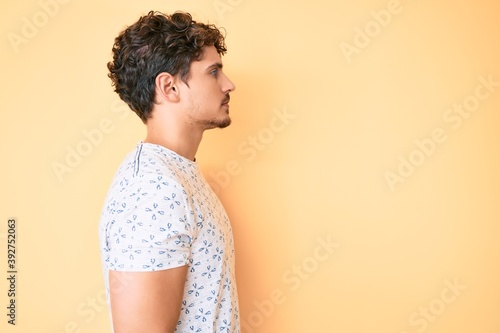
x,y
229,85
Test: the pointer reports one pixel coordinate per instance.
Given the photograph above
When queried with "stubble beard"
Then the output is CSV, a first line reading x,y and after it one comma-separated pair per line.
x,y
217,123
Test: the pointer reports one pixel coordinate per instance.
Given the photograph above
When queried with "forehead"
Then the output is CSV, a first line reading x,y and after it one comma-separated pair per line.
x,y
209,57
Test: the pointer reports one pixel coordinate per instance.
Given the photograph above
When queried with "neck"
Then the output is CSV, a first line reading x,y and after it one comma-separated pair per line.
x,y
182,140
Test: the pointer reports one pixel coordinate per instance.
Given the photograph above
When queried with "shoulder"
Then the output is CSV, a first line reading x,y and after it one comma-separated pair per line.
x,y
147,167
146,178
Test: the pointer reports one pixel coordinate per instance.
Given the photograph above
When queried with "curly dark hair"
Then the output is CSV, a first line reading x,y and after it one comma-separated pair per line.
x,y
157,43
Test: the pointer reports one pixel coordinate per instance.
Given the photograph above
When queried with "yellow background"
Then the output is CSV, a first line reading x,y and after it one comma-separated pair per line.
x,y
319,176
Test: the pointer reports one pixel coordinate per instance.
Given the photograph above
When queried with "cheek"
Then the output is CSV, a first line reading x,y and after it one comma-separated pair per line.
x,y
209,95
212,97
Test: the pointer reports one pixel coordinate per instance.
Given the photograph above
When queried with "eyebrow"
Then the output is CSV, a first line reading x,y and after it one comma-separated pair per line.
x,y
215,65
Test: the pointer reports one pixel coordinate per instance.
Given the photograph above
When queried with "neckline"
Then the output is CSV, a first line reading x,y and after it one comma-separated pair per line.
x,y
170,152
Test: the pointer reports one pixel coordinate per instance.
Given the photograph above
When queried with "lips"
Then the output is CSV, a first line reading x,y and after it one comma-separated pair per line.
x,y
226,100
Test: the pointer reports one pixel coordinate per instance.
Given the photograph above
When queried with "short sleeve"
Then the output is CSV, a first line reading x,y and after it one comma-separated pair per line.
x,y
148,228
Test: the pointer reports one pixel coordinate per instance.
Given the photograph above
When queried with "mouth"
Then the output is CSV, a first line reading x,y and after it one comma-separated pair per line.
x,y
226,100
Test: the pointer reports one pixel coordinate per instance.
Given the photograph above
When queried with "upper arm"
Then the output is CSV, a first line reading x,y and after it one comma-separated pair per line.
x,y
148,301
148,240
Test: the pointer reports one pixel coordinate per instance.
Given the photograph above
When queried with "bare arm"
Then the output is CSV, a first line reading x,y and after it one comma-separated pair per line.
x,y
148,302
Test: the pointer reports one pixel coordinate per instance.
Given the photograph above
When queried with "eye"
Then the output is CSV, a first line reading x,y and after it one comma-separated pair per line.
x,y
214,72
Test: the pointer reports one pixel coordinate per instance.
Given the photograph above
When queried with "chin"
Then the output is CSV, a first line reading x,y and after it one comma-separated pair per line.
x,y
218,123
225,123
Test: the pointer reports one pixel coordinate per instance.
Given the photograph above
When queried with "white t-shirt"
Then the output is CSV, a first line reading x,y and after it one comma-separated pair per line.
x,y
160,213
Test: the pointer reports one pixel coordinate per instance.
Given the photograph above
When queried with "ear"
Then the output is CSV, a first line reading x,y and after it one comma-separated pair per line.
x,y
166,89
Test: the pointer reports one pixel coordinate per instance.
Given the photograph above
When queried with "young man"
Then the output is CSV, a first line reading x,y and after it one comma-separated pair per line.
x,y
166,242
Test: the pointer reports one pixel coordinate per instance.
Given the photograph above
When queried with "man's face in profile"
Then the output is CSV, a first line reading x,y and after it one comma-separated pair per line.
x,y
207,95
